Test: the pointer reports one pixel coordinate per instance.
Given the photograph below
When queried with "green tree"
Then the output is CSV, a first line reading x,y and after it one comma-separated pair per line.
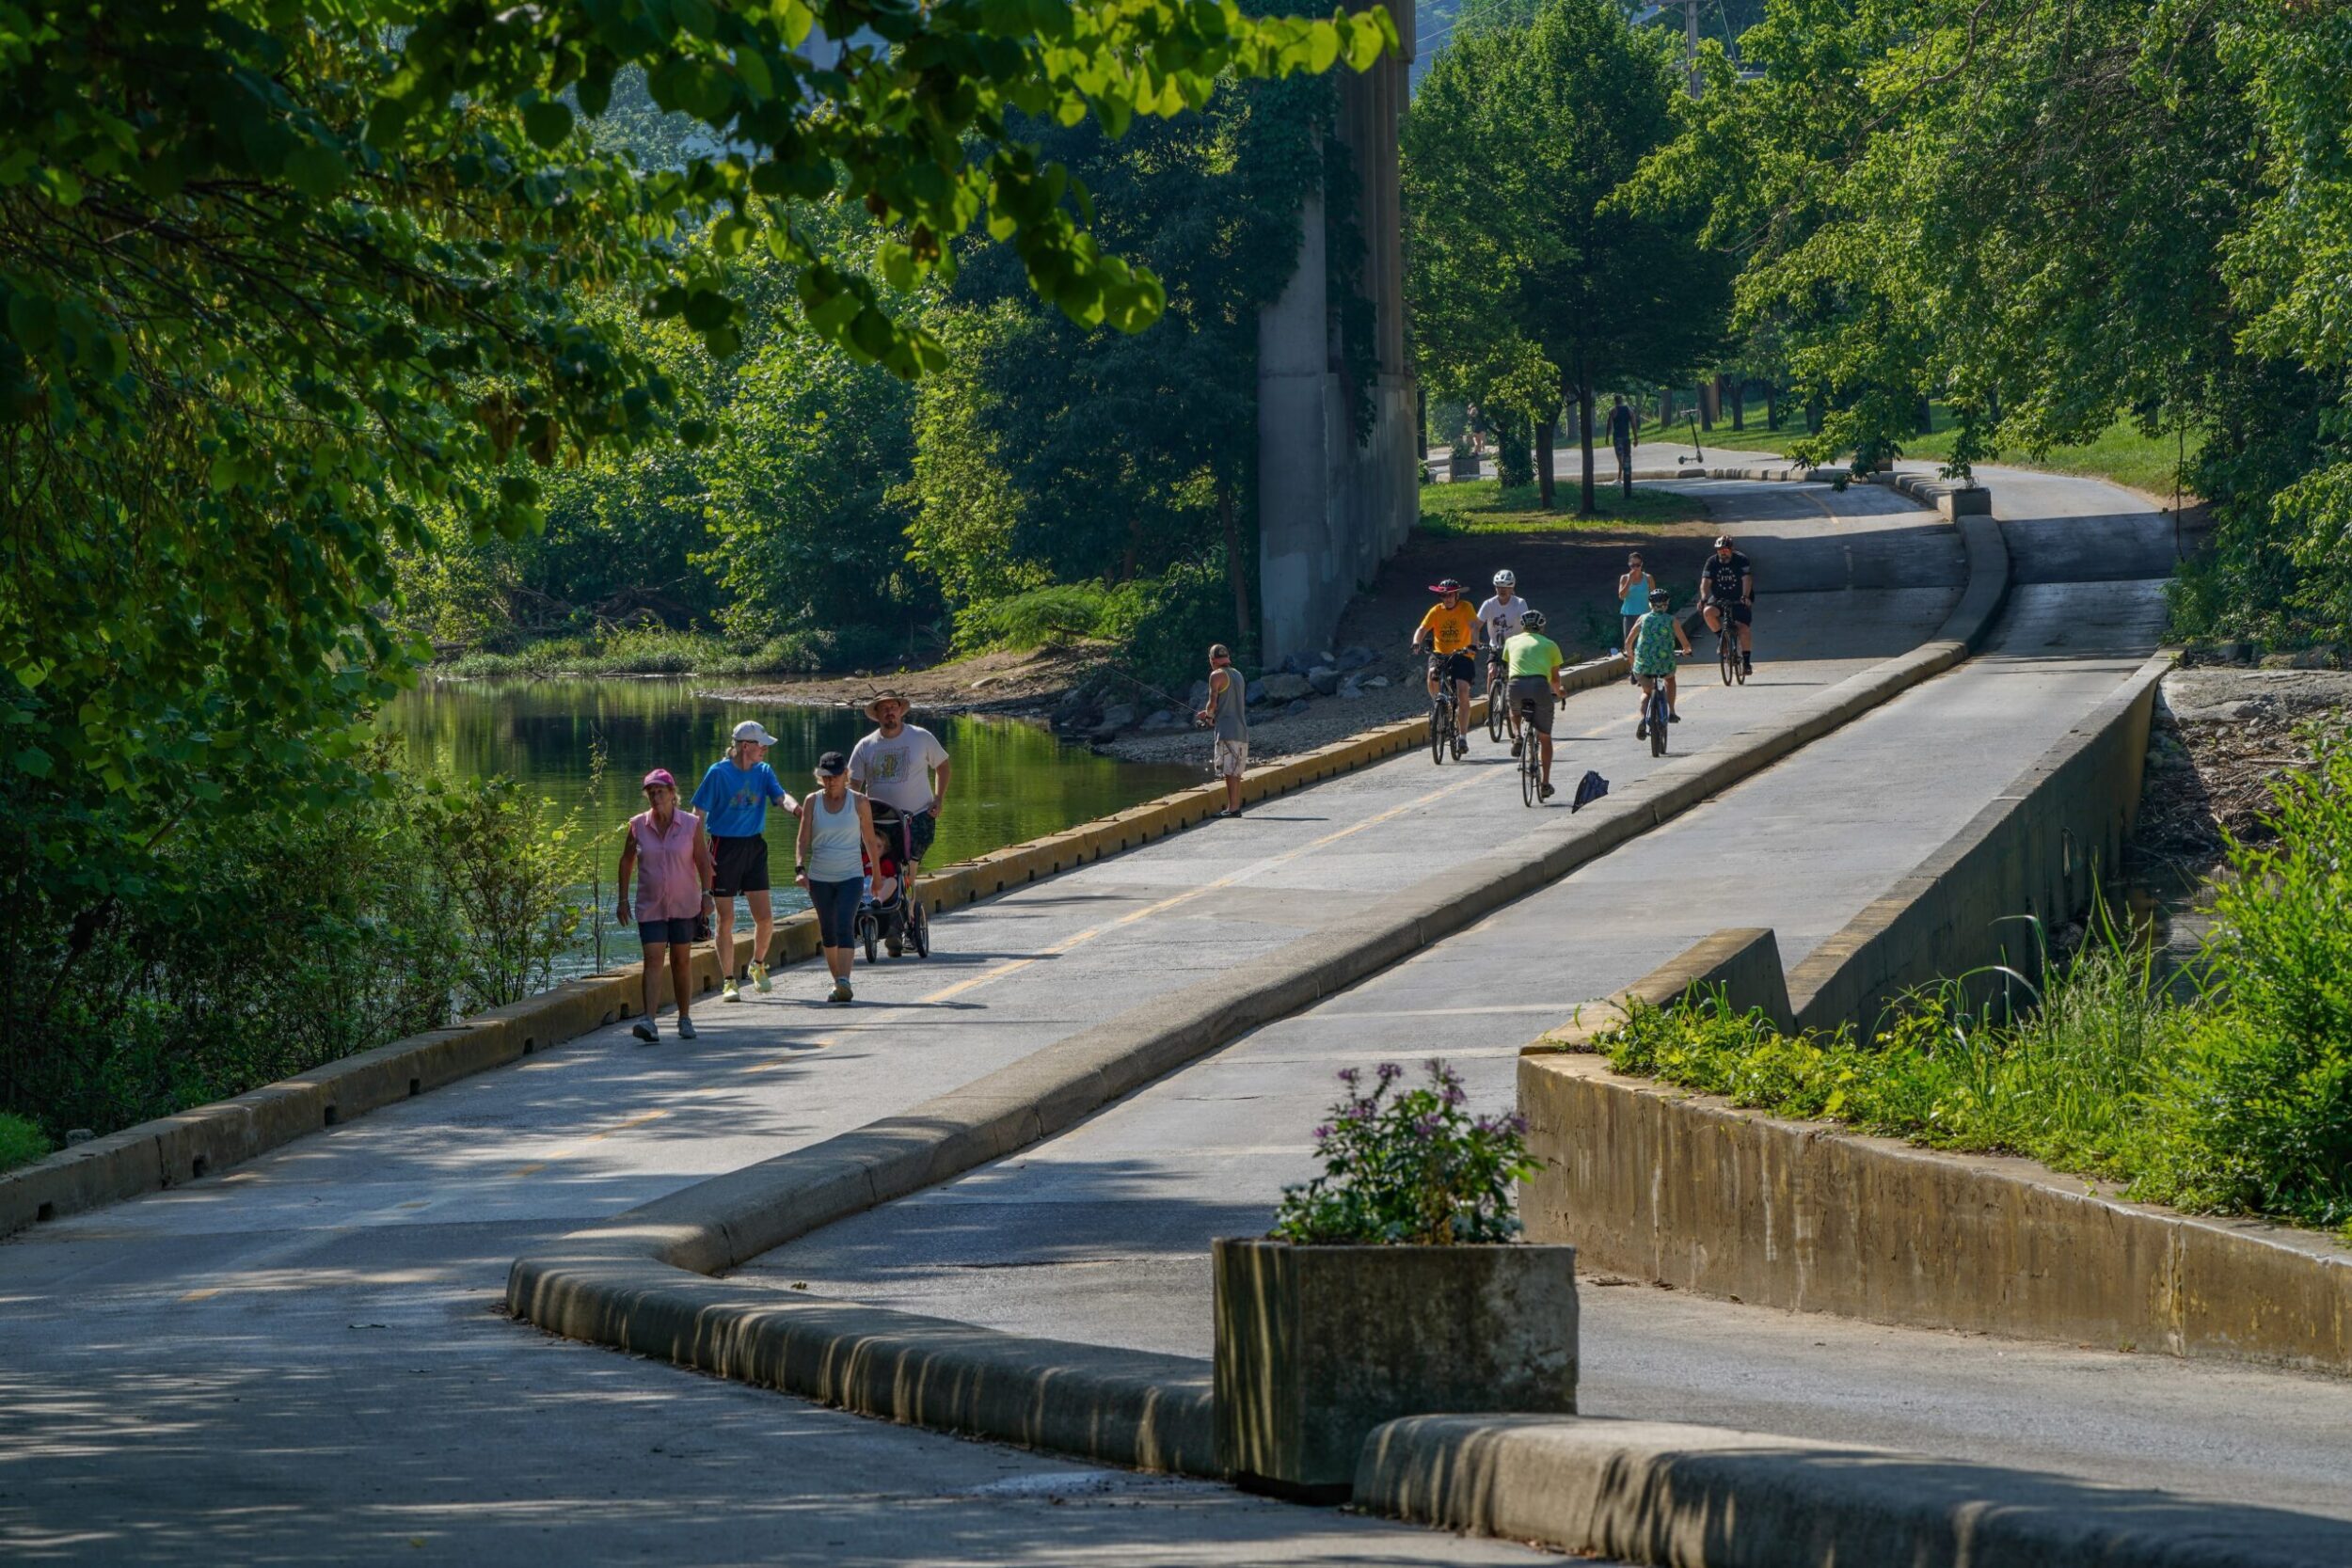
x,y
1524,249
279,280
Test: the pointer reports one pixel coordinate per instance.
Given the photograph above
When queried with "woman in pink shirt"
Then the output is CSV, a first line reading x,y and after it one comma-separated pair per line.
x,y
674,854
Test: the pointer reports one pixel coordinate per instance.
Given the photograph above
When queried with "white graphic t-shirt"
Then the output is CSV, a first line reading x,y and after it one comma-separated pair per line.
x,y
1501,619
898,773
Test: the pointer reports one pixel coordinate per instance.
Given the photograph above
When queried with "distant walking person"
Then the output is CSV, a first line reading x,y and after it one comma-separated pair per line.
x,y
734,798
1228,716
829,859
1621,439
674,854
902,770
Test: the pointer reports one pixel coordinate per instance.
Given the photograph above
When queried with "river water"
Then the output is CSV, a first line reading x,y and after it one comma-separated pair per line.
x,y
1012,780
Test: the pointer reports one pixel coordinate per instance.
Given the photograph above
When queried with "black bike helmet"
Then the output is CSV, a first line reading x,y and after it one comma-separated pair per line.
x,y
1532,621
1659,596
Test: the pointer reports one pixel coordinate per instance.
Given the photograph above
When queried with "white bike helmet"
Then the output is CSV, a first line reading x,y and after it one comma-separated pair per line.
x,y
1506,578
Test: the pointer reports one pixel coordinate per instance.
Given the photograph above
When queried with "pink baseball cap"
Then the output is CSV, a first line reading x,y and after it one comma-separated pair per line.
x,y
659,776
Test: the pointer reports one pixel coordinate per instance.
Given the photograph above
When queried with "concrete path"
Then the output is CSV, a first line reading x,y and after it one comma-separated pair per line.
x,y
1102,1234
301,1360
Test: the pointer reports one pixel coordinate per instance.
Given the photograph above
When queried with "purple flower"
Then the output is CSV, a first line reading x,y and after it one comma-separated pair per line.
x,y
1322,1133
1453,1095
1426,1127
1390,1072
1349,1076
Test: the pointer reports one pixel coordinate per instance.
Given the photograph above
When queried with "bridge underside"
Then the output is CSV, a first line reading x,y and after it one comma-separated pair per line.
x,y
1331,509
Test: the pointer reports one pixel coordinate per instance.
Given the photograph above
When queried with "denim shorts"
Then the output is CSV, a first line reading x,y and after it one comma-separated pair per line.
x,y
836,904
654,933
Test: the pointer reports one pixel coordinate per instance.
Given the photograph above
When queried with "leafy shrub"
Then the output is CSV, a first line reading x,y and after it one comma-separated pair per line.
x,y
266,947
1054,613
22,1142
2261,1099
2236,1100
1412,1169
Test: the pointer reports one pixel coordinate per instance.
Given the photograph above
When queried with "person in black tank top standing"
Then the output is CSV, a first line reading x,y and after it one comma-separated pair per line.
x,y
1728,587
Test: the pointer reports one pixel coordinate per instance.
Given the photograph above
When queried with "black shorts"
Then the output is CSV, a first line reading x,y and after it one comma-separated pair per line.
x,y
1535,692
1454,667
742,866
920,830
1742,613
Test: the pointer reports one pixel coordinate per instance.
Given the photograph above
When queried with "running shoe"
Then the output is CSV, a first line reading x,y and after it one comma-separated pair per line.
x,y
1543,792
1640,731
647,1030
727,991
759,978
1517,747
1747,663
686,1028
1461,749
1674,718
840,991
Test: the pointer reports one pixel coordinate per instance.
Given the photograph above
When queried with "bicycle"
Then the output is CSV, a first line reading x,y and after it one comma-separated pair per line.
x,y
1497,710
1656,716
1531,757
1727,651
1442,723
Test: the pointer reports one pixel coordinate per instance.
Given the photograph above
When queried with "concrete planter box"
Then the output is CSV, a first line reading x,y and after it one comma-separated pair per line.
x,y
1318,1345
1459,466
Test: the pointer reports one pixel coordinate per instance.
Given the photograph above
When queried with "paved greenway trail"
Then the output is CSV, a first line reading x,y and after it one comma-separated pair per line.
x,y
305,1358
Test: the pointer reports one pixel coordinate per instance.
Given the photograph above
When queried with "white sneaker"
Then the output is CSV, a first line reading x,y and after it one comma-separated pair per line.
x,y
727,991
840,991
759,978
648,1030
686,1028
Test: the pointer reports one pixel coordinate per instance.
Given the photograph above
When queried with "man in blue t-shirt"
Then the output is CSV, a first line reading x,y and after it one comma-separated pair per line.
x,y
734,798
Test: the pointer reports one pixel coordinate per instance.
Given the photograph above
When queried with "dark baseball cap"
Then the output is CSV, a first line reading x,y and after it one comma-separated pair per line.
x,y
832,766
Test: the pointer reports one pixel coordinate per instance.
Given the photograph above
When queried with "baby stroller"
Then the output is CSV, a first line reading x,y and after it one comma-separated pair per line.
x,y
890,915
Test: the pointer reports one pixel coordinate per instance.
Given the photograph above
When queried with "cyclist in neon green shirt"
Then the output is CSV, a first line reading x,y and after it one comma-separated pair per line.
x,y
1533,661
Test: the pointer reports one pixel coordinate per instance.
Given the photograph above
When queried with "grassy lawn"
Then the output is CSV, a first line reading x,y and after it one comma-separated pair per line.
x,y
1482,506
2120,452
20,1142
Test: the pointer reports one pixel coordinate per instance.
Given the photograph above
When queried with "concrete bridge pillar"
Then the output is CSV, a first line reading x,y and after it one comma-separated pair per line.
x,y
1330,510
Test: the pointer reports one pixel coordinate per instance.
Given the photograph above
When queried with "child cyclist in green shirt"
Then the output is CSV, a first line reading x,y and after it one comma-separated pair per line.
x,y
1533,661
1651,645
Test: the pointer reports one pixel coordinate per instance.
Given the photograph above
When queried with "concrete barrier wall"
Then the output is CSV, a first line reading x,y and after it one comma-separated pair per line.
x,y
1690,1190
2039,849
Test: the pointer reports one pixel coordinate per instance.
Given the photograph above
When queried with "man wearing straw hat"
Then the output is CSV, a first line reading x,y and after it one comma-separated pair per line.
x,y
902,769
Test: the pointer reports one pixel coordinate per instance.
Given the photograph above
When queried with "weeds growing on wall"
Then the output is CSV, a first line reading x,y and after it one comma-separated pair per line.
x,y
2235,1098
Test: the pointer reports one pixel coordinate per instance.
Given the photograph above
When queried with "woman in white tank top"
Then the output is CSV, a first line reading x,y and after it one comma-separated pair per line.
x,y
837,843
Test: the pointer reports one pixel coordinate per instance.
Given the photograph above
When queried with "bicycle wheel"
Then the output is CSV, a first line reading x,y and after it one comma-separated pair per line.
x,y
867,928
1496,710
1727,652
1531,769
1658,722
1439,713
919,930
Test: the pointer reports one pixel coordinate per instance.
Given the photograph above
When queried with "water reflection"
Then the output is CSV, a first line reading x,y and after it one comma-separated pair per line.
x,y
1012,780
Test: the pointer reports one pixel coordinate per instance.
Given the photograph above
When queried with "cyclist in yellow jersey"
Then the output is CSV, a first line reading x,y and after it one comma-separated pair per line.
x,y
1451,629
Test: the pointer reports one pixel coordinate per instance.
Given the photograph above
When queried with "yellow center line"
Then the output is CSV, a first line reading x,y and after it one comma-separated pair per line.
x,y
1254,868
638,1120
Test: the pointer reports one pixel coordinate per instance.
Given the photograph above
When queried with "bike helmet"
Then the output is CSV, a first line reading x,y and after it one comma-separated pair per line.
x,y
1659,596
1506,578
1446,586
1532,621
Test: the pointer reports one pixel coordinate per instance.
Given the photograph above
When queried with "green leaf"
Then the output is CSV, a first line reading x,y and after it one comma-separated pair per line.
x,y
547,122
34,761
318,172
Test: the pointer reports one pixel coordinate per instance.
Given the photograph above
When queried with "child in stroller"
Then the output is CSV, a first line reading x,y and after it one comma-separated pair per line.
x,y
890,915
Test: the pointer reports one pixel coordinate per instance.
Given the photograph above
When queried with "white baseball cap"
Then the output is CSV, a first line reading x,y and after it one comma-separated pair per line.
x,y
749,730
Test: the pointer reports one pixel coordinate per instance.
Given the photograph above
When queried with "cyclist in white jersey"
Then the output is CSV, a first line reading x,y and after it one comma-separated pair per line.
x,y
1499,621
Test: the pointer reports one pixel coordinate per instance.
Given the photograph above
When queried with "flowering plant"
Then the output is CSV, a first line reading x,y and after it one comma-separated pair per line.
x,y
1412,1168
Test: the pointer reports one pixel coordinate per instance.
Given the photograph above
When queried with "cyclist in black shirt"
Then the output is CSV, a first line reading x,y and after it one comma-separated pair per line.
x,y
1728,584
